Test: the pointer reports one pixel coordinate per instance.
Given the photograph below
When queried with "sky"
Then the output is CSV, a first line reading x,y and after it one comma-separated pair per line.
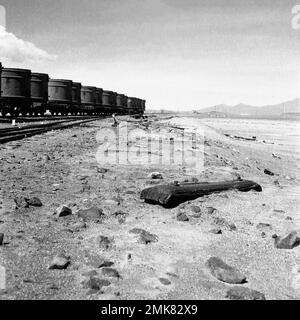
x,y
176,54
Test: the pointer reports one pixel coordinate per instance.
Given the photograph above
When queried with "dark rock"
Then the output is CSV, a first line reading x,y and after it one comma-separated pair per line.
x,y
60,262
21,202
105,242
181,216
223,272
195,209
165,282
102,170
78,226
92,213
34,202
232,227
216,231
1,239
291,241
155,175
63,211
268,172
289,218
100,263
263,226
210,210
96,284
110,272
145,236
242,293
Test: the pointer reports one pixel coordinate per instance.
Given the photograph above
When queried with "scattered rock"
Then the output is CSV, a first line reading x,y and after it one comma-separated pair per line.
x,y
181,216
100,263
78,226
60,262
289,218
210,210
110,272
165,282
268,172
216,231
102,170
195,209
92,213
223,272
232,227
1,239
263,226
21,202
291,241
96,284
34,202
63,211
105,242
145,236
242,293
155,176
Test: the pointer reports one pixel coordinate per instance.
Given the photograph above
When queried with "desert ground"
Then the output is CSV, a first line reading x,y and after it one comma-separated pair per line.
x,y
100,253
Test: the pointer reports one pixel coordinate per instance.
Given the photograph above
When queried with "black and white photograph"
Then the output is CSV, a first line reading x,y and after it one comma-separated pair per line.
x,y
149,151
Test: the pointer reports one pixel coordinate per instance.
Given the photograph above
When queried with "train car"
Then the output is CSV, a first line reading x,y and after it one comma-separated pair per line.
x,y
109,102
39,93
99,101
121,104
88,100
24,92
60,96
15,91
76,97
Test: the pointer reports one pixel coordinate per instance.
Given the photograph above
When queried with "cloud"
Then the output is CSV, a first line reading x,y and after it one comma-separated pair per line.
x,y
15,50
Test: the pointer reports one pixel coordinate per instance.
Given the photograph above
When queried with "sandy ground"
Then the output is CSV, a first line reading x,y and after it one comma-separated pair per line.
x,y
64,168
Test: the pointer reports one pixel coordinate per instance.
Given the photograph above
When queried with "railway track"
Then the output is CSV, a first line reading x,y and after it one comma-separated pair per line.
x,y
14,134
44,118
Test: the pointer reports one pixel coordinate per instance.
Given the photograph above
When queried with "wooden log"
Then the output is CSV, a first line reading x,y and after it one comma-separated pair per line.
x,y
171,195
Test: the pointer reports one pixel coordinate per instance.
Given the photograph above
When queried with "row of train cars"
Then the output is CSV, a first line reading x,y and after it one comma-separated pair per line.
x,y
31,94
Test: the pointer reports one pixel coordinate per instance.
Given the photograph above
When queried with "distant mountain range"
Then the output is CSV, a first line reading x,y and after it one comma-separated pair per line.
x,y
277,110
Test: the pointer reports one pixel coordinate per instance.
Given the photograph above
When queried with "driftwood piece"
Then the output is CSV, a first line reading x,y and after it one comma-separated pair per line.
x,y
171,195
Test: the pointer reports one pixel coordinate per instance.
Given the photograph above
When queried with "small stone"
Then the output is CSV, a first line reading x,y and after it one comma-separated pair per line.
x,y
102,170
105,242
63,211
289,218
96,284
34,202
195,209
232,227
155,176
242,293
216,231
223,272
291,241
60,262
1,238
78,226
263,226
210,210
100,263
110,272
92,213
146,238
165,282
21,202
268,172
181,216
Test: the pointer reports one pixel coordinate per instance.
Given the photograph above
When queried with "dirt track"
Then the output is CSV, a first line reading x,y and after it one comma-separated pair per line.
x,y
61,168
